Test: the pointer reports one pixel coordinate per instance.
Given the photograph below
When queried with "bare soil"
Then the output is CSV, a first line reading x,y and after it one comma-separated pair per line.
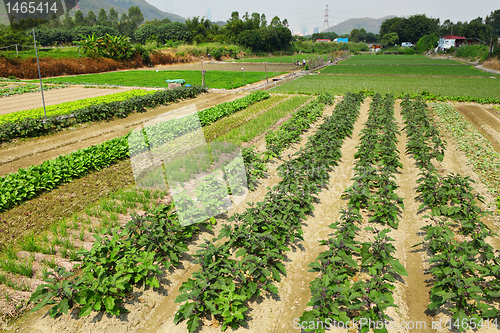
x,y
23,102
486,120
37,150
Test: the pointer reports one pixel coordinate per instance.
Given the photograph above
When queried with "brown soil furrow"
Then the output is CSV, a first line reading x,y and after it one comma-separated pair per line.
x,y
415,291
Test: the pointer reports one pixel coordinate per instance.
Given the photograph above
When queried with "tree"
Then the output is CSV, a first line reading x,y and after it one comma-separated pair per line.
x,y
251,39
91,18
476,29
102,18
146,32
358,35
68,22
410,29
493,20
135,16
113,18
79,19
174,31
263,21
389,39
427,42
157,22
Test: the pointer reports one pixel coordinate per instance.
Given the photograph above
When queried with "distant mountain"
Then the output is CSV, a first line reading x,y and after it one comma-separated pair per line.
x,y
369,24
149,11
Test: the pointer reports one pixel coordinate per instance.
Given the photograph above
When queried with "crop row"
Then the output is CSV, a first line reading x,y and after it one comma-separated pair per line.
x,y
277,141
30,182
344,290
33,127
464,266
247,257
130,257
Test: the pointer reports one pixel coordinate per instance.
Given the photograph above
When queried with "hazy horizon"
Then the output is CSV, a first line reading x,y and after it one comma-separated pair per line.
x,y
312,13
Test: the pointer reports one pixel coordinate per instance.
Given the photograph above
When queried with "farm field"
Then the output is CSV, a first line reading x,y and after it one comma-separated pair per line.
x,y
444,86
280,59
359,205
294,287
24,102
410,69
385,59
148,78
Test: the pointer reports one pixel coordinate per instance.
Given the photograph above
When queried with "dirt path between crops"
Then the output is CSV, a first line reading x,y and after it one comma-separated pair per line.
x,y
30,101
485,119
37,150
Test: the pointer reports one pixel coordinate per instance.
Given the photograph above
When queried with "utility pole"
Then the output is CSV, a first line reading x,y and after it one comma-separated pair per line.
x,y
40,76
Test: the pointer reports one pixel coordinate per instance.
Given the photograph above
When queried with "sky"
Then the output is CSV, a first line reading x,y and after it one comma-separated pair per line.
x,y
312,12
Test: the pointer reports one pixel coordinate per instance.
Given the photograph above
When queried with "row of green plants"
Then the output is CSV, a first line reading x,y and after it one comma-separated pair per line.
x,y
116,263
69,107
108,109
24,88
28,183
356,280
289,132
234,122
433,97
247,257
162,132
482,156
464,265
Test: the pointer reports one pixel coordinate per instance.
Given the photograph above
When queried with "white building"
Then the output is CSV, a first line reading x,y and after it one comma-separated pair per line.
x,y
446,42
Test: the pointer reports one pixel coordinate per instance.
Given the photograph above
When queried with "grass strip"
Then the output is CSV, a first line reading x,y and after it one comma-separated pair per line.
x,y
261,124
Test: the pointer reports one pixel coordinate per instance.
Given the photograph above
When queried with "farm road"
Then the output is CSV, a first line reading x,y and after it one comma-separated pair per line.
x,y
37,150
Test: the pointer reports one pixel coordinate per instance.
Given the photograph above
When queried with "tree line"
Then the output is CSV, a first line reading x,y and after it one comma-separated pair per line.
x,y
251,31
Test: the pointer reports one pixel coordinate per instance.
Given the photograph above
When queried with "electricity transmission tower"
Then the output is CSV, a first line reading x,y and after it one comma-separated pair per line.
x,y
171,6
325,22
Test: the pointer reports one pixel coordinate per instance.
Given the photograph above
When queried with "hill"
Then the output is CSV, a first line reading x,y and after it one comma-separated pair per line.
x,y
150,12
369,24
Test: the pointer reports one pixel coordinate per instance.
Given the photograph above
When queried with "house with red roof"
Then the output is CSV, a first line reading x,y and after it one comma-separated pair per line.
x,y
448,41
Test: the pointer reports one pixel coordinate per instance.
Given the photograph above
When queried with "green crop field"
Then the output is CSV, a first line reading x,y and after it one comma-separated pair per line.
x,y
149,78
446,86
280,60
396,60
449,70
